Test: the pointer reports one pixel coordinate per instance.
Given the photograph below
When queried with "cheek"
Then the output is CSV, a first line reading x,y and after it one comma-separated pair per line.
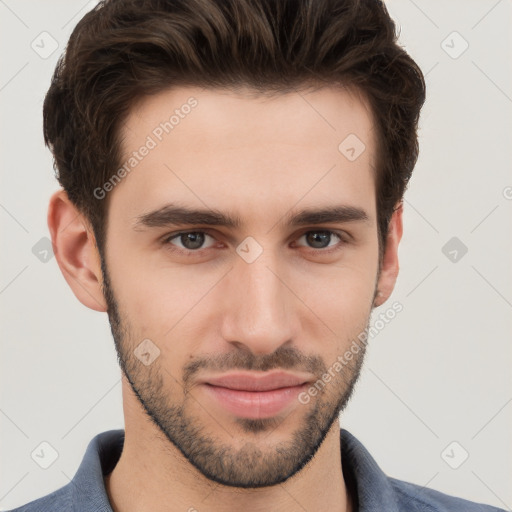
x,y
163,304
344,286
342,305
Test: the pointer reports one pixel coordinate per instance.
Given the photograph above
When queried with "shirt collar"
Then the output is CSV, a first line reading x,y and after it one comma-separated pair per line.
x,y
364,478
88,485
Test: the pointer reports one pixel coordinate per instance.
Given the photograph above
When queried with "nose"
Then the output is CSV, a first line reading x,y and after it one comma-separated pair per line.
x,y
258,310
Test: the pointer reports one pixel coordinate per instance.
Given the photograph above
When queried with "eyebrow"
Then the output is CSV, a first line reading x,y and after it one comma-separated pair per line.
x,y
170,215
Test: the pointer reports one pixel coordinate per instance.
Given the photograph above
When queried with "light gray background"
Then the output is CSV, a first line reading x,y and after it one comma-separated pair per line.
x,y
438,373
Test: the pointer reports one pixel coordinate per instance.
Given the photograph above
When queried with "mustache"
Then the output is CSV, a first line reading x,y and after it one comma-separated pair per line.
x,y
286,358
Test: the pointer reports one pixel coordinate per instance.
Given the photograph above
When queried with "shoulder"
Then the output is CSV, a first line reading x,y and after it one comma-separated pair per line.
x,y
373,489
86,491
59,500
414,498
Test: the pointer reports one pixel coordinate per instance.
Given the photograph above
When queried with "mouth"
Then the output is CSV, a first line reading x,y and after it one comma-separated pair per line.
x,y
256,395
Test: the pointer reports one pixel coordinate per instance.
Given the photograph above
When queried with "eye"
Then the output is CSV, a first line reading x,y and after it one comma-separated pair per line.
x,y
320,239
190,240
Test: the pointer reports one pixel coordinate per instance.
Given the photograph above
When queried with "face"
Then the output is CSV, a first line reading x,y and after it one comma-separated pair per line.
x,y
225,319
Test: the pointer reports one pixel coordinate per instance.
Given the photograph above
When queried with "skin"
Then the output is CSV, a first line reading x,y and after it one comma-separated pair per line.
x,y
293,307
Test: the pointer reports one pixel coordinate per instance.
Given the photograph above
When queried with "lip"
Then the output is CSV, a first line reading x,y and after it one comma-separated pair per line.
x,y
249,395
258,381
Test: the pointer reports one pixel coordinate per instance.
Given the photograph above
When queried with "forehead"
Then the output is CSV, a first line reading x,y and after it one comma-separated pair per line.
x,y
216,147
211,114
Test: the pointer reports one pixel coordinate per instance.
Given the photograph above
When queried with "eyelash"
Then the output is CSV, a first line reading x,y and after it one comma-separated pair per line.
x,y
191,253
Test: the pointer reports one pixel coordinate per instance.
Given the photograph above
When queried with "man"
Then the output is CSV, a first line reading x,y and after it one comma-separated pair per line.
x,y
233,174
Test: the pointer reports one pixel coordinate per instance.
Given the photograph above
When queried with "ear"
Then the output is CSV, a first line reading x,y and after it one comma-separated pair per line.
x,y
74,246
389,266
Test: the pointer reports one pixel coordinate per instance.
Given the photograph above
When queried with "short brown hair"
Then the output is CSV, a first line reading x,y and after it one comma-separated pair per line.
x,y
123,50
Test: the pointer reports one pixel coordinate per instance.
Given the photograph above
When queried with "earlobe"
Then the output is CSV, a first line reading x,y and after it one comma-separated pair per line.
x,y
390,265
75,250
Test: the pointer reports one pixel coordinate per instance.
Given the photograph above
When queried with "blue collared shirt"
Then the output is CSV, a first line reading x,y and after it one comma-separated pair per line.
x,y
368,485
